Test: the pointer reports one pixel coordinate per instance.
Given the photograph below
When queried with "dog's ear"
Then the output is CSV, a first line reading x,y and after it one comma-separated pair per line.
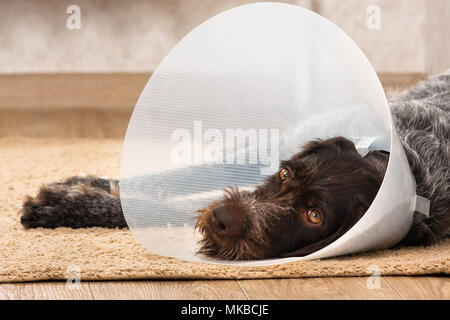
x,y
343,144
339,145
354,214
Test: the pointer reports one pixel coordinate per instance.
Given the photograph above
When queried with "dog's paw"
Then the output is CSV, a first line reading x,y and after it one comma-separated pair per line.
x,y
41,211
34,215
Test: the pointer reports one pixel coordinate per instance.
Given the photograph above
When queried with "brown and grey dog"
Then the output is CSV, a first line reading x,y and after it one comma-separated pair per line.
x,y
314,198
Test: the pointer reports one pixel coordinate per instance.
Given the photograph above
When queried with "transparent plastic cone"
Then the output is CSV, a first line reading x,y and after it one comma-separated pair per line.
x,y
279,75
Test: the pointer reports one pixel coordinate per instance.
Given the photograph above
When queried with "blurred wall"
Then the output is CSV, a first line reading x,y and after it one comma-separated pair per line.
x,y
134,35
413,35
115,35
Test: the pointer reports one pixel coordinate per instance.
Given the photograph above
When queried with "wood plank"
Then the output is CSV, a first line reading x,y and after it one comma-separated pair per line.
x,y
400,79
167,290
65,123
316,288
90,105
45,291
421,288
308,288
71,90
105,90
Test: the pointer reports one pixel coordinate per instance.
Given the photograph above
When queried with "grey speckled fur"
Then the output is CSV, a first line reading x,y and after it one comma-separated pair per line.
x,y
422,119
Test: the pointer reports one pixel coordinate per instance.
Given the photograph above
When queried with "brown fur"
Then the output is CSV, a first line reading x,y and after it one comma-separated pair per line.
x,y
329,175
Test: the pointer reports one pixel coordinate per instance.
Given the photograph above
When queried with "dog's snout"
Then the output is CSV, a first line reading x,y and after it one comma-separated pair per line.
x,y
227,222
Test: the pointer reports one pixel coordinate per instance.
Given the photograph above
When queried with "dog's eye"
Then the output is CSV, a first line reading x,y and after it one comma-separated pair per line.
x,y
314,216
285,174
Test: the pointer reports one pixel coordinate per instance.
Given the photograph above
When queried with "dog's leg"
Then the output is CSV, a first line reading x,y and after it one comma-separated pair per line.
x,y
78,202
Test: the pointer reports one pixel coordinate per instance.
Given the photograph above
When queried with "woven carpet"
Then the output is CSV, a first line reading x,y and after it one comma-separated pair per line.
x,y
102,254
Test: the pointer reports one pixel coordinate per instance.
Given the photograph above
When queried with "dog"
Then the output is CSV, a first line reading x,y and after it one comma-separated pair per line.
x,y
313,199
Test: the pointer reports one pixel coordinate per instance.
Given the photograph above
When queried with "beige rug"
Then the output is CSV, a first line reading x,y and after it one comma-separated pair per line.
x,y
100,254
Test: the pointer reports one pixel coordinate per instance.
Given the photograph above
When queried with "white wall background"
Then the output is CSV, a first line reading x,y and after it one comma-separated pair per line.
x,y
134,35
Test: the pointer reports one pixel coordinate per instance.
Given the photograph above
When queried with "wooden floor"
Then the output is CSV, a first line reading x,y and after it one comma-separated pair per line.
x,y
311,288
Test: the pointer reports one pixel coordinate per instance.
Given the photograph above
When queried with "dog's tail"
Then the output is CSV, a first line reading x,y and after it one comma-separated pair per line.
x,y
78,202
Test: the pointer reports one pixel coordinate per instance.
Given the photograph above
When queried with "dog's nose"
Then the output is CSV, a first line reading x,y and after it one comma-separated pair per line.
x,y
227,222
